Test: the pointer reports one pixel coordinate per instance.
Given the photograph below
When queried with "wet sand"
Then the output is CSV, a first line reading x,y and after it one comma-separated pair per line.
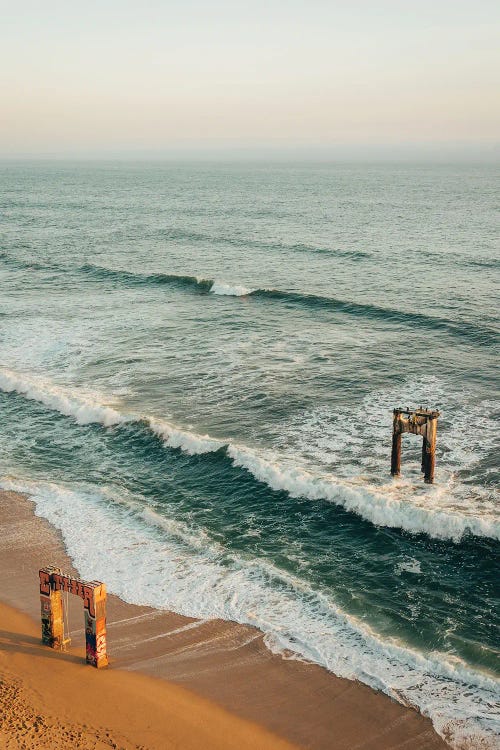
x,y
217,685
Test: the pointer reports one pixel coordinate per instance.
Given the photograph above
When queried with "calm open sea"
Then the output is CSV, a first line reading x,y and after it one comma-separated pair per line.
x,y
198,365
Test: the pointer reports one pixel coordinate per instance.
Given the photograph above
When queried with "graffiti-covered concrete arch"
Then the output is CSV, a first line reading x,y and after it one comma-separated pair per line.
x,y
52,583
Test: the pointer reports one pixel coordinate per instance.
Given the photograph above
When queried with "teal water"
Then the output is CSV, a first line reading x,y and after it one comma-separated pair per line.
x,y
198,365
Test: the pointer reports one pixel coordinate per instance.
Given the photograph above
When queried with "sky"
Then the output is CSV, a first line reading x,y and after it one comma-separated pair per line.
x,y
114,77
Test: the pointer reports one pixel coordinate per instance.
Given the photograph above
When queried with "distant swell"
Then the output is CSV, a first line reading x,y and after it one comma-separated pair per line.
x,y
368,503
194,237
478,334
130,278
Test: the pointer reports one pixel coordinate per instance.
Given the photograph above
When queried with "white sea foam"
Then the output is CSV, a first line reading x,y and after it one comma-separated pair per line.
x,y
174,567
188,442
392,505
410,565
230,290
371,503
82,407
348,440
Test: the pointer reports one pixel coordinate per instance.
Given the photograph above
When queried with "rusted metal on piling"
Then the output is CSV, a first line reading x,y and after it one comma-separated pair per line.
x,y
418,422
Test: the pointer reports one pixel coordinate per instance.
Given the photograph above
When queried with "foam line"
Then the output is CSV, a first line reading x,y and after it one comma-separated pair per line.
x,y
369,503
84,410
165,565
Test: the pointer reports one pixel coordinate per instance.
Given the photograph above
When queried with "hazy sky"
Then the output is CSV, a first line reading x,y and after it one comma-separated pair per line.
x,y
121,75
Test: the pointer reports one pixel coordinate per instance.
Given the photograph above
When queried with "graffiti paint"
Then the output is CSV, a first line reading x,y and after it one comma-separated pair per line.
x,y
52,582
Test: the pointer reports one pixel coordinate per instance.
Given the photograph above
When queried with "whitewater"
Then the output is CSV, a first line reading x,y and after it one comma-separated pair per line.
x,y
197,579
370,504
205,359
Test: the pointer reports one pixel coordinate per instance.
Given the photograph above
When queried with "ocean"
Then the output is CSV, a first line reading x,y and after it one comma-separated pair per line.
x,y
198,367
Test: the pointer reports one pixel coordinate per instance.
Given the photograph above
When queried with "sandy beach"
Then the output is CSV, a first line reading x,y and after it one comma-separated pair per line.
x,y
173,681
249,340
49,700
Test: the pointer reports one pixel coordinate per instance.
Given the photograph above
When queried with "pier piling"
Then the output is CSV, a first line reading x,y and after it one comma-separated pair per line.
x,y
418,422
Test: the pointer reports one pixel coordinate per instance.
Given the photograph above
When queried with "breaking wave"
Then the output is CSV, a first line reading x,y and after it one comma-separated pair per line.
x,y
373,504
475,333
200,578
478,334
370,503
83,408
193,283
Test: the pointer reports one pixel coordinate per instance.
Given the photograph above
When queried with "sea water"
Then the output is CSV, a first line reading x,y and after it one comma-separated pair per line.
x,y
198,366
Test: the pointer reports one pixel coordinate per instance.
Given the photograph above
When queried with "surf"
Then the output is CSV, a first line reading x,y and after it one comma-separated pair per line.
x,y
477,335
197,577
378,506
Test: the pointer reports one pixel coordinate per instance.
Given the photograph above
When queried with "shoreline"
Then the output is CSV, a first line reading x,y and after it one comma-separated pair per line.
x,y
223,663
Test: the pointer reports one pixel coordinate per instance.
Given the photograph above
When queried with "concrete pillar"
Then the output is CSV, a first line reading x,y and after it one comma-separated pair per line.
x,y
51,612
430,451
396,444
429,469
424,455
396,454
94,601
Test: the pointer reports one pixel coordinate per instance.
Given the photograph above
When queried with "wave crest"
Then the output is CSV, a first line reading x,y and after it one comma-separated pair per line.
x,y
476,333
374,505
83,409
200,578
193,283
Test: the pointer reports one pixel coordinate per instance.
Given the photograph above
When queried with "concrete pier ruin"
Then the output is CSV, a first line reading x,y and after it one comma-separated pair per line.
x,y
418,422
